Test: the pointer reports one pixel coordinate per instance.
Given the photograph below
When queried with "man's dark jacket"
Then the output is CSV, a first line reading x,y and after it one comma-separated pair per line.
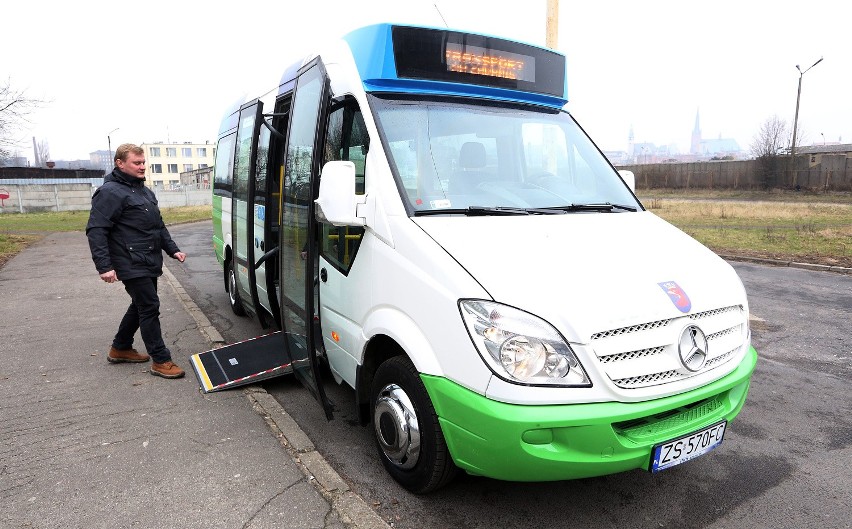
x,y
125,230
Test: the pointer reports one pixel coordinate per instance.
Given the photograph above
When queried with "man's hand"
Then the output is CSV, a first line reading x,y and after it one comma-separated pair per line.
x,y
180,256
109,277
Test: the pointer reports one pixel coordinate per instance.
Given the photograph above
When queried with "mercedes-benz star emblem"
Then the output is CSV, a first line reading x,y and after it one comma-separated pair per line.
x,y
692,348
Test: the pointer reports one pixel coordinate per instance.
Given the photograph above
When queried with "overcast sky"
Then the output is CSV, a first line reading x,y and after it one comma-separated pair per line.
x,y
648,65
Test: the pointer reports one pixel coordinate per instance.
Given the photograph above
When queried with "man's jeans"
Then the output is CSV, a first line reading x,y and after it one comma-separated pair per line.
x,y
143,314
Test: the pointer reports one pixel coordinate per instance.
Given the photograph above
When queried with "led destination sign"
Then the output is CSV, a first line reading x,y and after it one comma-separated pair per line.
x,y
480,61
455,57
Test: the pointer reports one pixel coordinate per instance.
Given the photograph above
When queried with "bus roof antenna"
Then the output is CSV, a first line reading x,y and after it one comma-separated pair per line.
x,y
440,15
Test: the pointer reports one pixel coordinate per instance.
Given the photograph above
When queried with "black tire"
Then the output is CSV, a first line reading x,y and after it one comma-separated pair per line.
x,y
231,287
398,396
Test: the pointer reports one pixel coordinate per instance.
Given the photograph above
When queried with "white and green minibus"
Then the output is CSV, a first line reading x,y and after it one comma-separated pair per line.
x,y
419,217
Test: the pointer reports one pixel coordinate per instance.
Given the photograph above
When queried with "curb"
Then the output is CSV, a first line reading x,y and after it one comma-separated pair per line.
x,y
352,510
791,264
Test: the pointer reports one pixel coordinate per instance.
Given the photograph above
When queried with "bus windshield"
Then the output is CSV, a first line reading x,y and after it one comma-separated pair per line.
x,y
457,154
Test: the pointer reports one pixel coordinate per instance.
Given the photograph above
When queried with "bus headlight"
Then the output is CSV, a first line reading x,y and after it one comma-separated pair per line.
x,y
520,347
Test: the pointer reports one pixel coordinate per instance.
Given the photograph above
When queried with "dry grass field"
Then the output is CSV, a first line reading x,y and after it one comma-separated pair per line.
x,y
18,230
815,230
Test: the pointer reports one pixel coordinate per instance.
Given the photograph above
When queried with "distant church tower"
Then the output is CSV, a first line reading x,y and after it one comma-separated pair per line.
x,y
695,148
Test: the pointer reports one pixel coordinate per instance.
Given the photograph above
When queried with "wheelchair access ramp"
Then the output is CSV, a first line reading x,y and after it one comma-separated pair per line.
x,y
242,363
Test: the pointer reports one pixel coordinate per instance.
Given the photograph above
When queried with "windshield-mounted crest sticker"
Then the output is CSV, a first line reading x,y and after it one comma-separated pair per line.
x,y
677,295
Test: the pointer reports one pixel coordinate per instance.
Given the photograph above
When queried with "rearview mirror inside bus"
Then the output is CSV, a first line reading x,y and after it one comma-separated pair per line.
x,y
337,201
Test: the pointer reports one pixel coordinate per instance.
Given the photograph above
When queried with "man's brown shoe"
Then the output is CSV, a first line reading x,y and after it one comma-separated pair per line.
x,y
126,355
167,369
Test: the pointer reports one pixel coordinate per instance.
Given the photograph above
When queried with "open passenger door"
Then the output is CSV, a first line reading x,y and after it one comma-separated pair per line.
x,y
298,256
294,348
254,217
243,228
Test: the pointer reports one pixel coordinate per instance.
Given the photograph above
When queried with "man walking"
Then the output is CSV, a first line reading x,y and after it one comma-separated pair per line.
x,y
127,237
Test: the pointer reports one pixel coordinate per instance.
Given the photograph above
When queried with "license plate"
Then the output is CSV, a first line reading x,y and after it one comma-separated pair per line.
x,y
688,447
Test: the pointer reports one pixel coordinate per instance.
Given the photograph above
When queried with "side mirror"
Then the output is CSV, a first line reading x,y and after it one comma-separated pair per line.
x,y
628,178
337,202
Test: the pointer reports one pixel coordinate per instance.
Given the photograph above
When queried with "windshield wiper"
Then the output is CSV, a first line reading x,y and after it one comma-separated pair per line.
x,y
483,211
606,207
474,211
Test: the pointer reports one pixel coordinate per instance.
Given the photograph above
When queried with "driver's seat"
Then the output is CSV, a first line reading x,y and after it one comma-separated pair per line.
x,y
471,168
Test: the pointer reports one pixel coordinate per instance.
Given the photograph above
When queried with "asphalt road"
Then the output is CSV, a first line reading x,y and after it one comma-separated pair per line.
x,y
784,462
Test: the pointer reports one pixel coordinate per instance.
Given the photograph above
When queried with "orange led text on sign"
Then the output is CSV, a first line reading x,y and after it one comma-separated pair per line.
x,y
492,65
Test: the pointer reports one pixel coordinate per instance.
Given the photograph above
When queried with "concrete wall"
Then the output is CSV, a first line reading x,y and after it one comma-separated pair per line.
x,y
69,197
188,196
833,173
44,197
42,172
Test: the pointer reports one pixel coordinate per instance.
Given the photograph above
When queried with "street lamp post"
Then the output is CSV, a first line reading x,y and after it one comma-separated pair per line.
x,y
109,145
796,120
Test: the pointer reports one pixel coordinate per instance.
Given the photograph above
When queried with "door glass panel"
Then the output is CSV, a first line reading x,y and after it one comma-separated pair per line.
x,y
298,253
260,216
243,224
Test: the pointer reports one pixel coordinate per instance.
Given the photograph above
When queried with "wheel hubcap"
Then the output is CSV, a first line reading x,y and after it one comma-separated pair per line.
x,y
232,285
396,427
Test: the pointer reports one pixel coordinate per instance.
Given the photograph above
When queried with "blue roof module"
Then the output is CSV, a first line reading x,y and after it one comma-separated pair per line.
x,y
421,60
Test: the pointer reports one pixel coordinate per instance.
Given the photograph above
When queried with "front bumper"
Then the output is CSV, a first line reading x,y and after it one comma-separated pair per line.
x,y
557,442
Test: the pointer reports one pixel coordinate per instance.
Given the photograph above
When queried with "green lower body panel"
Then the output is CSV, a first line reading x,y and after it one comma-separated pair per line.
x,y
557,442
218,236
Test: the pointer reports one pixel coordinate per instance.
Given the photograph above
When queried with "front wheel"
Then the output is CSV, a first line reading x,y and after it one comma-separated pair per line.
x,y
408,435
233,294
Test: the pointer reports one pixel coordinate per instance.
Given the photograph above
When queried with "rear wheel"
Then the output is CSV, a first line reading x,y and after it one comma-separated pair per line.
x,y
408,435
233,294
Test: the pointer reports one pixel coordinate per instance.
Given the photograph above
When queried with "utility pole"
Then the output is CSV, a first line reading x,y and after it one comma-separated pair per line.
x,y
108,166
551,41
552,28
796,121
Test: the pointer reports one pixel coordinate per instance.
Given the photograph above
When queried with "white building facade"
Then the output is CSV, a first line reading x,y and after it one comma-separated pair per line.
x,y
166,161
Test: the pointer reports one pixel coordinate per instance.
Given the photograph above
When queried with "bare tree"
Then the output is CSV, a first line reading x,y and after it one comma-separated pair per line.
x,y
772,138
15,109
768,148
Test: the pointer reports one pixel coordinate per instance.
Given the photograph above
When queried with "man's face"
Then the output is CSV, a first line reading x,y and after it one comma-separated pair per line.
x,y
134,165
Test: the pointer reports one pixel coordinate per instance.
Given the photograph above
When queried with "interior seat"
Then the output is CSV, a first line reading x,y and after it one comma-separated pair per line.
x,y
471,169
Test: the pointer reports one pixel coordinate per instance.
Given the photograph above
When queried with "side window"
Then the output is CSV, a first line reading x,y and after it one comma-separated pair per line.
x,y
223,171
261,166
346,139
241,167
